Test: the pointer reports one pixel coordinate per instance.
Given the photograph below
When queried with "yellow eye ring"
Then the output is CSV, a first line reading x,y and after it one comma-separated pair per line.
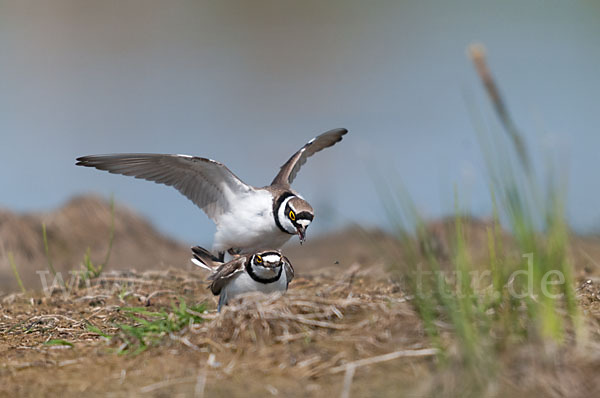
x,y
258,259
292,216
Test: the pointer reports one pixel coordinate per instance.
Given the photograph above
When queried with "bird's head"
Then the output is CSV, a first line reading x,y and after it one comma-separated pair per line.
x,y
295,216
266,264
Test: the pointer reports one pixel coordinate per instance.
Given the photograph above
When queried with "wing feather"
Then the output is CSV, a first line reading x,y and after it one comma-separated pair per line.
x,y
289,270
207,183
290,169
225,272
205,259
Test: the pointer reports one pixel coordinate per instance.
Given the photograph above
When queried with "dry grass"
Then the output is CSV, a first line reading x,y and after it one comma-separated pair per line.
x,y
346,336
293,344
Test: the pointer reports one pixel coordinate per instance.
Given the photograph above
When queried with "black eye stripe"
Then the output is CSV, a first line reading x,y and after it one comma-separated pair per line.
x,y
305,216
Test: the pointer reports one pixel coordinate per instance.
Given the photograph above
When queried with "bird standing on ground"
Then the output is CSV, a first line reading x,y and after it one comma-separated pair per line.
x,y
265,271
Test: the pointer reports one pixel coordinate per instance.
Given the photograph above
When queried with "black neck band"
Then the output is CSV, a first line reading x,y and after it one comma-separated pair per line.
x,y
276,207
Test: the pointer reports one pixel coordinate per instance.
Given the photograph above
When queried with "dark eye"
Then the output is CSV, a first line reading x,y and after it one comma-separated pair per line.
x,y
258,259
292,215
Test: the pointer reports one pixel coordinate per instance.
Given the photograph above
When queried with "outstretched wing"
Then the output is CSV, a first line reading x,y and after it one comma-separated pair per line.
x,y
292,166
224,273
207,183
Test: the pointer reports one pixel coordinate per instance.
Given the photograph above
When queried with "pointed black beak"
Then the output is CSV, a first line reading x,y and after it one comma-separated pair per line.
x,y
301,233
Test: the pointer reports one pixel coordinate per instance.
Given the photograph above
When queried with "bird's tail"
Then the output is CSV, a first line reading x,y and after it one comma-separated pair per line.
x,y
205,259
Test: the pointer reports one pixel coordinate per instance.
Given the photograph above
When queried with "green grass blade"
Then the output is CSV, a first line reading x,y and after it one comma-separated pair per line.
x,y
111,235
47,250
11,260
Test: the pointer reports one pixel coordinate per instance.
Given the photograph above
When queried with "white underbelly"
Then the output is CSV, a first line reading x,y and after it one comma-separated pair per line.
x,y
245,284
250,226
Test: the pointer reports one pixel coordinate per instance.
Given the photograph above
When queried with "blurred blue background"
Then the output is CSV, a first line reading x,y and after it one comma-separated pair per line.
x,y
249,82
